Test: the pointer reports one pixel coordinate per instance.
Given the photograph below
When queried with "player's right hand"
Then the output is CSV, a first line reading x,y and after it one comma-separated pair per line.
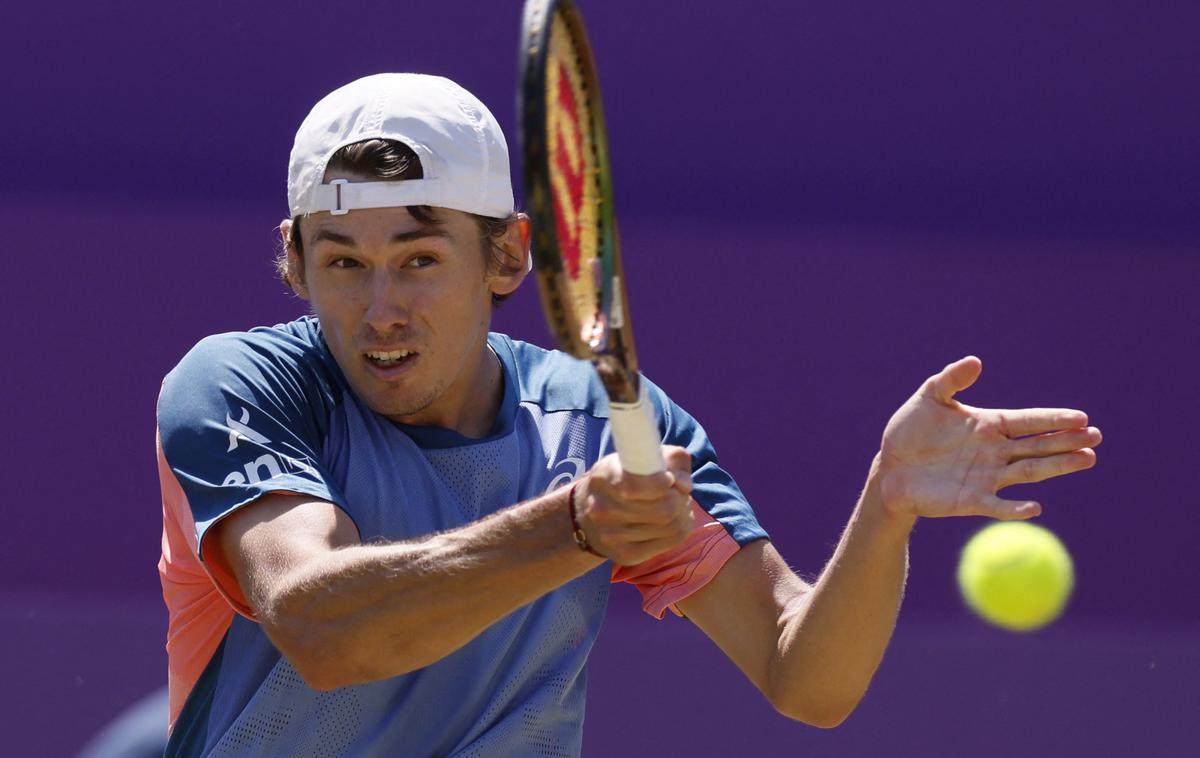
x,y
630,518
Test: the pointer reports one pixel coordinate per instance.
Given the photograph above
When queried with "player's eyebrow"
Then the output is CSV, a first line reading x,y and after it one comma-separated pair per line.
x,y
328,235
422,233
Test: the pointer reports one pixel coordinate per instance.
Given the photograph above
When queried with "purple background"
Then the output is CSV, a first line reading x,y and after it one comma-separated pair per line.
x,y
820,207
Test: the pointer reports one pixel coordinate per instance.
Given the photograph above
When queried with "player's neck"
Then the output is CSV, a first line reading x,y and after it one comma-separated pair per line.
x,y
481,403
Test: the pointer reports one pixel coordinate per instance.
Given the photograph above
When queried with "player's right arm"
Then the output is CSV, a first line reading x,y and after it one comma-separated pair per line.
x,y
242,430
346,613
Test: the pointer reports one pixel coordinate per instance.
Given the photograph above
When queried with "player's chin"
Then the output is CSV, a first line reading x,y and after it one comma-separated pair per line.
x,y
396,403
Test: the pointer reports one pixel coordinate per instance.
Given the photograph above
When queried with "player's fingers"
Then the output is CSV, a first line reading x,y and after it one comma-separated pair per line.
x,y
679,462
635,533
954,378
1026,421
1053,443
1031,470
632,543
633,553
671,510
690,518
1007,510
607,508
622,485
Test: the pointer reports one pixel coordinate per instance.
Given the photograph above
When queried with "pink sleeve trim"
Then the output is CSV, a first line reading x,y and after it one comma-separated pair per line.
x,y
197,615
668,578
201,596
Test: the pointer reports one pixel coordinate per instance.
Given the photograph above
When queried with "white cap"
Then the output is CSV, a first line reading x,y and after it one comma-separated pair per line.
x,y
463,155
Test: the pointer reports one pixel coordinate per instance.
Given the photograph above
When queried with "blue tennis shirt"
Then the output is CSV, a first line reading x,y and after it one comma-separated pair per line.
x,y
246,414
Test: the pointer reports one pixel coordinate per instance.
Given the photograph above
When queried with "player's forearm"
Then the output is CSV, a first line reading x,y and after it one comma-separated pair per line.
x,y
374,611
835,637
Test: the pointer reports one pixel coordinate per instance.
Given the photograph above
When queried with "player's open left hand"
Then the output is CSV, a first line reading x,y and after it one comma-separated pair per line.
x,y
630,518
942,458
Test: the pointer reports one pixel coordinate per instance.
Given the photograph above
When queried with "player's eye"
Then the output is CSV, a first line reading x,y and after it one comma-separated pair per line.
x,y
343,263
421,261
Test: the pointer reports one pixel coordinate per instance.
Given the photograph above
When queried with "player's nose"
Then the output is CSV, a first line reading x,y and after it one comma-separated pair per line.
x,y
387,306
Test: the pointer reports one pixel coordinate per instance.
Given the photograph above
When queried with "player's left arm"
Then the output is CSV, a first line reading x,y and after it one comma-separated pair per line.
x,y
813,650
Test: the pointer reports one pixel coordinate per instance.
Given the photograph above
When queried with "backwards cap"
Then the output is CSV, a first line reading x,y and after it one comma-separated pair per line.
x,y
463,155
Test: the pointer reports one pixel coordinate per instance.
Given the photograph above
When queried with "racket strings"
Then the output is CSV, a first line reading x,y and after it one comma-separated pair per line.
x,y
573,174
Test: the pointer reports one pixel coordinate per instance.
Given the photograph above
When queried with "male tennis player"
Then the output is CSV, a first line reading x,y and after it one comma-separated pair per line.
x,y
388,531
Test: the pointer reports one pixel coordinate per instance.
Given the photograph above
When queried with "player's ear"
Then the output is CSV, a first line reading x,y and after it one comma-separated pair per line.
x,y
516,260
293,267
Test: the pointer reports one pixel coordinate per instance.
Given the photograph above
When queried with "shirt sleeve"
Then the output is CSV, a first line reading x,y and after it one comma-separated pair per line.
x,y
243,415
724,519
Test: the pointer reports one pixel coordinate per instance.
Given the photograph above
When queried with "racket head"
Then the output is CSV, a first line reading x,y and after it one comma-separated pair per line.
x,y
568,188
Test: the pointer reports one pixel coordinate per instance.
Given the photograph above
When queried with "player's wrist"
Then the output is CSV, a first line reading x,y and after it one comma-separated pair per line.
x,y
879,508
577,531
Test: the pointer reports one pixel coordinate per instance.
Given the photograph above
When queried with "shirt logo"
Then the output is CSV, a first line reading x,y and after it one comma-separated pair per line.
x,y
575,469
269,465
239,431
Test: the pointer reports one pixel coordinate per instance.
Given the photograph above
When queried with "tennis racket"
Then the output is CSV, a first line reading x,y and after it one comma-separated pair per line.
x,y
568,186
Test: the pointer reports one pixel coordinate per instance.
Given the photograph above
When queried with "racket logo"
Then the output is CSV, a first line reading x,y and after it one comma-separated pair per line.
x,y
568,169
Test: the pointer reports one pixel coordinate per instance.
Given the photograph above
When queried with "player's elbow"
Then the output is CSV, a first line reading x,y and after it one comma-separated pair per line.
x,y
319,649
818,710
323,659
320,678
330,653
325,668
330,662
313,653
822,717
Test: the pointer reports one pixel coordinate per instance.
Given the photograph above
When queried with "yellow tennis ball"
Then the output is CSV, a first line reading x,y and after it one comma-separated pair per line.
x,y
1016,575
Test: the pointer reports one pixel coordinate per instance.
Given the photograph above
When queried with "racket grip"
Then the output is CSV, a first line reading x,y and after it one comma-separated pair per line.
x,y
635,434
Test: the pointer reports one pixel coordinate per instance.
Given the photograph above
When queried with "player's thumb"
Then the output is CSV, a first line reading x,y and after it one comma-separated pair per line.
x,y
678,462
956,377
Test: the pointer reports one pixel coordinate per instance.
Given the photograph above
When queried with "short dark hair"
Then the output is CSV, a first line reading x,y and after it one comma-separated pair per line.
x,y
391,160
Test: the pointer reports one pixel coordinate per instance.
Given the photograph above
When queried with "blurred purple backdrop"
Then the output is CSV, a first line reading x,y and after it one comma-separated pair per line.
x,y
820,207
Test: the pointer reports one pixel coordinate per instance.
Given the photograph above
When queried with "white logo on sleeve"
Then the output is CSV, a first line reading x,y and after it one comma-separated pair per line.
x,y
266,466
238,430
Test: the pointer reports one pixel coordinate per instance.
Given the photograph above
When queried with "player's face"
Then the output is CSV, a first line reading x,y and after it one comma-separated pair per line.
x,y
405,308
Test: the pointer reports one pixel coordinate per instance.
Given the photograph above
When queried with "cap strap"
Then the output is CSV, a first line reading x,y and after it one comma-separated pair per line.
x,y
341,196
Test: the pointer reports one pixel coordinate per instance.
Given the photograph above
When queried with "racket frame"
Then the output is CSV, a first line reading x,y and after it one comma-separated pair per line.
x,y
604,337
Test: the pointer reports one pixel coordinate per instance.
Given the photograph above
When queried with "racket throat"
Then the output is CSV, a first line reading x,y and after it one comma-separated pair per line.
x,y
621,384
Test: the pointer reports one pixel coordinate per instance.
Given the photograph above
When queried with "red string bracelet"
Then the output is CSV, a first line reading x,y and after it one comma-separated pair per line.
x,y
576,530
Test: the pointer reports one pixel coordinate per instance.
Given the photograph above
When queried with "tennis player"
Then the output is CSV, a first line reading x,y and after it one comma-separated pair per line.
x,y
389,531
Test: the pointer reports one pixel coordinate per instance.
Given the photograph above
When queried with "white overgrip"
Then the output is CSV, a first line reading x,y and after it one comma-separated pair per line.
x,y
635,434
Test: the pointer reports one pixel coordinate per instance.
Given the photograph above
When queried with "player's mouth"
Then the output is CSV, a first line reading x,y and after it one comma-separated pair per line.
x,y
389,363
